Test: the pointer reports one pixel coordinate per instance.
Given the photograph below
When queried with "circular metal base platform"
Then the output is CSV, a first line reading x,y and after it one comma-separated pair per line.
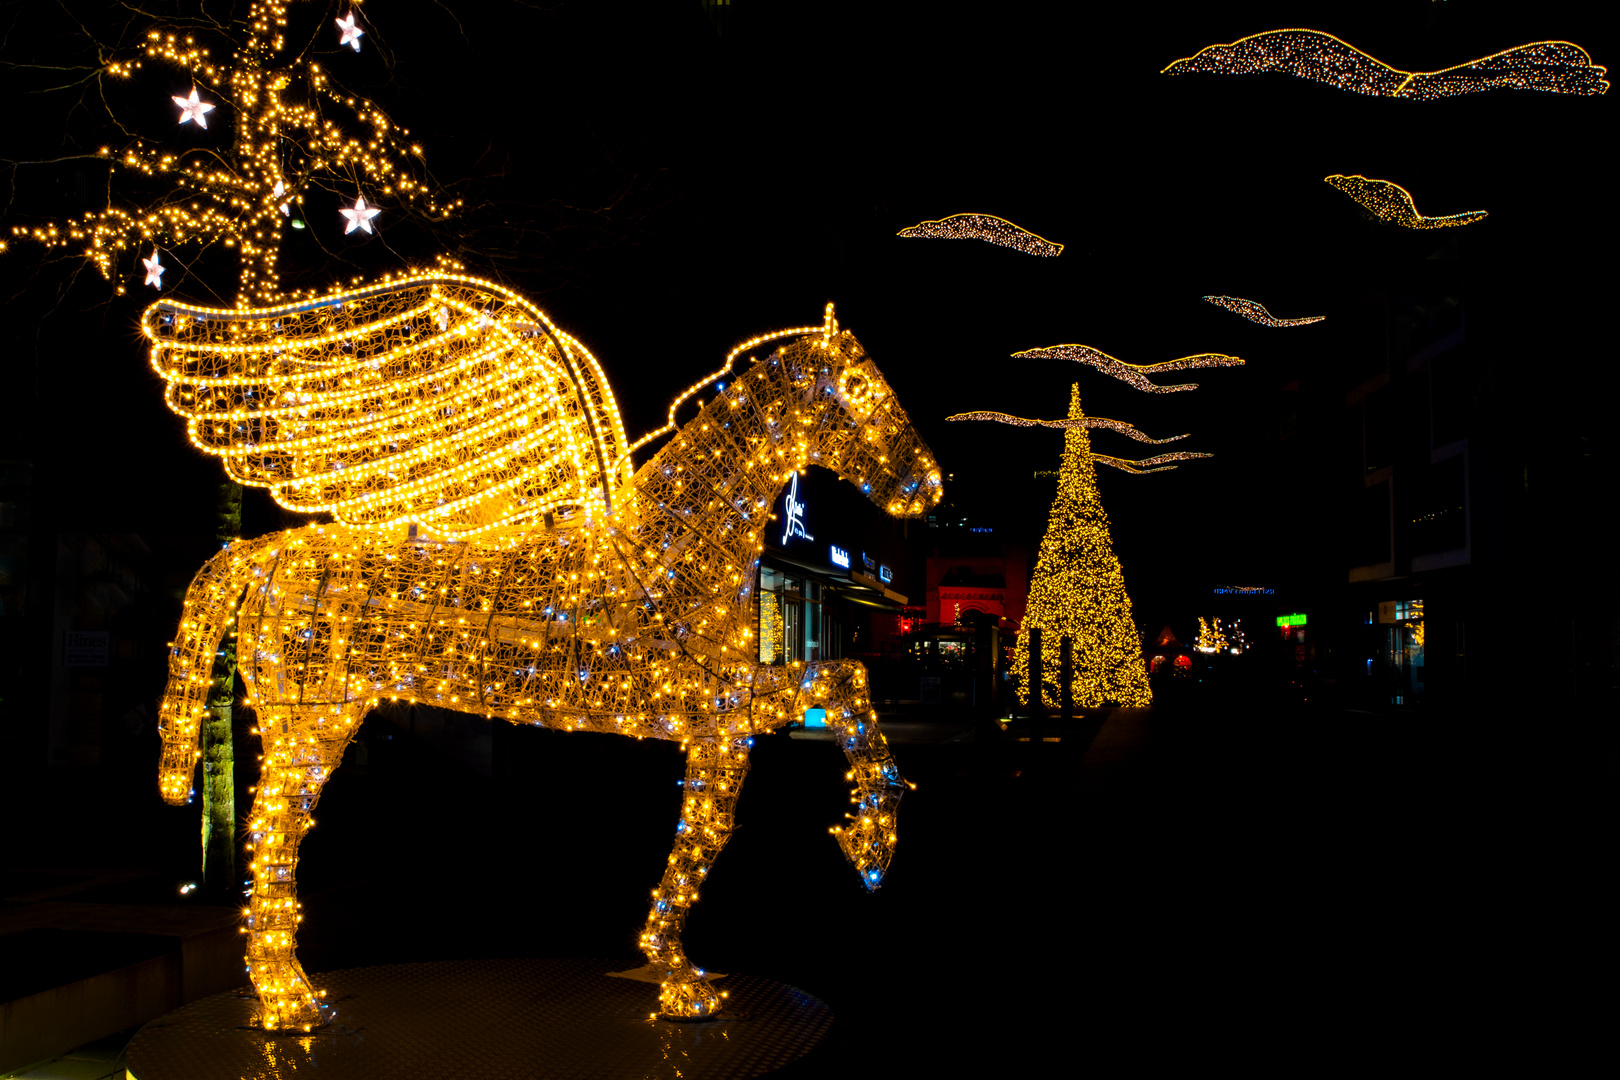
x,y
488,1019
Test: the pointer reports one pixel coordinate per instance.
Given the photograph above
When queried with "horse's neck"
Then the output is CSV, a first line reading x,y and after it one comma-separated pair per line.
x,y
739,433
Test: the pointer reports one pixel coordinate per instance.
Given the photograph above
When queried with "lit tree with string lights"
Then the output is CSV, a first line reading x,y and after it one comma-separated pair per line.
x,y
252,136
261,127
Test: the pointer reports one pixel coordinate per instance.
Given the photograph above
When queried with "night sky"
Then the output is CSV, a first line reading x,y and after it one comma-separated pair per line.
x,y
766,168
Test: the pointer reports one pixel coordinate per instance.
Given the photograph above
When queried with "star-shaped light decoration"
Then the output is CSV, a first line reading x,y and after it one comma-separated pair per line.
x,y
281,189
441,318
359,217
351,33
193,108
154,270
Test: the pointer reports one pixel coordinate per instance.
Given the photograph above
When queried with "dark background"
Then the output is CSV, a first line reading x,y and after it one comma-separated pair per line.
x,y
765,168
1230,904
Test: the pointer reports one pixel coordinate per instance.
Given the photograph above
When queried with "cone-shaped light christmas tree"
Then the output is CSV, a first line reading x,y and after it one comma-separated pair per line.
x,y
1078,591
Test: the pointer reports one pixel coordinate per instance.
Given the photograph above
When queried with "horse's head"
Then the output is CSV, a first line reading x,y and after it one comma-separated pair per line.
x,y
839,412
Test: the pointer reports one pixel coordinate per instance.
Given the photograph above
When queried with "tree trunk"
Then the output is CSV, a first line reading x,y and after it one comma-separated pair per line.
x,y
218,749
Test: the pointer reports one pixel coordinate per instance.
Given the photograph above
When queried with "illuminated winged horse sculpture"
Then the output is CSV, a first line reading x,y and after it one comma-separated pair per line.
x,y
495,555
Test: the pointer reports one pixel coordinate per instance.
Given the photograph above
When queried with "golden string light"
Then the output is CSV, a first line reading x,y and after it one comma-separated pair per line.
x,y
1388,201
986,227
1078,591
1210,638
238,192
1555,66
1257,313
637,617
1069,424
1135,374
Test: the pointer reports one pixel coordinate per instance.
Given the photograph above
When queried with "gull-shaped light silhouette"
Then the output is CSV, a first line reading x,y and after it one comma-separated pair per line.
x,y
1066,424
1120,426
1135,467
1557,67
1135,374
1388,201
1256,312
985,227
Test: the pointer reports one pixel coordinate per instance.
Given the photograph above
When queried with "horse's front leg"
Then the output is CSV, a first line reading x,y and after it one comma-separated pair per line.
x,y
840,687
715,768
302,746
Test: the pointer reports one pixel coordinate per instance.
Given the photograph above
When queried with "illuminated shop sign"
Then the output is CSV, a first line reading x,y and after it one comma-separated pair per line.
x,y
885,574
840,557
1244,590
794,524
871,563
1290,620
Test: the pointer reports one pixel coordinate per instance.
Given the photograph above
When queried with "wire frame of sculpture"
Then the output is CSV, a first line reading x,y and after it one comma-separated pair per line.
x,y
637,618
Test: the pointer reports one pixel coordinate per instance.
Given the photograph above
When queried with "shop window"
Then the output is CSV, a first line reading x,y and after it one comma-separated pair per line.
x,y
772,618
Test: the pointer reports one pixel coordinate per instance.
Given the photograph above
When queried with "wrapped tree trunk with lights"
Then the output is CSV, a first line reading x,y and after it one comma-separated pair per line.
x,y
218,745
1078,591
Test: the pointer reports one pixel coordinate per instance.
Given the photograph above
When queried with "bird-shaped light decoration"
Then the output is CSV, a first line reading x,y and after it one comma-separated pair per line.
x,y
1135,374
986,227
1388,201
1554,66
1070,424
1256,312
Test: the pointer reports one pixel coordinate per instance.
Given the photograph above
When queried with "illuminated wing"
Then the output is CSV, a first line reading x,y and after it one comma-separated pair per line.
x,y
1388,201
435,399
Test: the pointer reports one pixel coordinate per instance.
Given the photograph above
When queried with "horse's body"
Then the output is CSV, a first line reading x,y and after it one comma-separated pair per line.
x,y
639,621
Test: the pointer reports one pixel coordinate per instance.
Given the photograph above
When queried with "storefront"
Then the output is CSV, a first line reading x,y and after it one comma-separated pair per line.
x,y
827,585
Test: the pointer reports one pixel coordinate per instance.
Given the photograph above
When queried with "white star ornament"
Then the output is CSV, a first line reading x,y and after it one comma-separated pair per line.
x,y
351,33
281,189
359,217
194,109
154,271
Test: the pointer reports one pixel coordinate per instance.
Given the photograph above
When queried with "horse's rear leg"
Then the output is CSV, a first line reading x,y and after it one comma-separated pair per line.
x,y
714,774
302,746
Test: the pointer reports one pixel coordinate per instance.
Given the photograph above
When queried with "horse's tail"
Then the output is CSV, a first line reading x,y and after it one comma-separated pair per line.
x,y
210,607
